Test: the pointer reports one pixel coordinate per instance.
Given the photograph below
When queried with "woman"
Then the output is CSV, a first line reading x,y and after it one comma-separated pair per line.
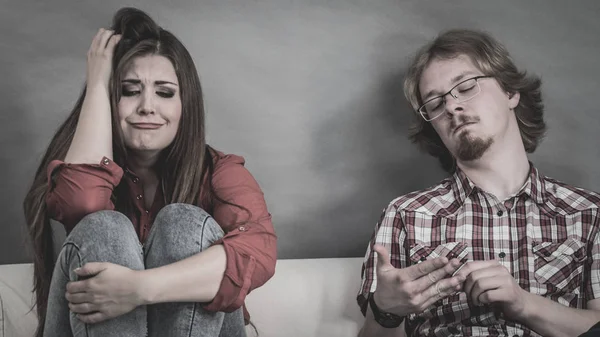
x,y
166,236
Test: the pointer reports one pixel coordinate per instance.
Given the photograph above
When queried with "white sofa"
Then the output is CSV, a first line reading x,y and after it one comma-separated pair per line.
x,y
305,298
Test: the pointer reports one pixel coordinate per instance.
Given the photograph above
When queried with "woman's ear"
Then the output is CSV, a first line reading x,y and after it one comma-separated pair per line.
x,y
513,99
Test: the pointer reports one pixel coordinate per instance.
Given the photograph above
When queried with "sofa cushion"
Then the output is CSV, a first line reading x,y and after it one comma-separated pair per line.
x,y
309,297
305,298
16,298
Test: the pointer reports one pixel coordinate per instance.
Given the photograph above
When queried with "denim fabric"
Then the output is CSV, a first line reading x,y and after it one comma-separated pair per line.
x,y
179,231
592,332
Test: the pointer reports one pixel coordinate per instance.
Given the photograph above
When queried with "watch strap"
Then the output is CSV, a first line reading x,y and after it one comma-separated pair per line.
x,y
385,319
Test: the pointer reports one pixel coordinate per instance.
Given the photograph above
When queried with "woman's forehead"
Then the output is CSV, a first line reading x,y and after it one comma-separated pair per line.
x,y
151,68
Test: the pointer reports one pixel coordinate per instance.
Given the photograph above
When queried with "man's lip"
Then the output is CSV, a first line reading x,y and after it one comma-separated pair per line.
x,y
146,125
462,125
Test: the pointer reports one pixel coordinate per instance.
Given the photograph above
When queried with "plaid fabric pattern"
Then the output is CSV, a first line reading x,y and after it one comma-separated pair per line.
x,y
546,235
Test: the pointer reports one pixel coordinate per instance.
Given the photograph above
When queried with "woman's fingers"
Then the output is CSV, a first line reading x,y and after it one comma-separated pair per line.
x,y
82,308
104,40
78,298
112,42
96,40
101,41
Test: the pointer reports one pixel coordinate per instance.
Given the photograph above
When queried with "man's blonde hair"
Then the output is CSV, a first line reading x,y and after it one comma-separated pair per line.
x,y
492,59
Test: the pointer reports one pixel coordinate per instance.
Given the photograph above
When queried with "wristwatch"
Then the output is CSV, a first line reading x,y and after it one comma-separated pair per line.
x,y
385,319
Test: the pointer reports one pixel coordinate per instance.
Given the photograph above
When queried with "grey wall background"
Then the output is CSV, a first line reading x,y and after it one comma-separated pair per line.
x,y
308,91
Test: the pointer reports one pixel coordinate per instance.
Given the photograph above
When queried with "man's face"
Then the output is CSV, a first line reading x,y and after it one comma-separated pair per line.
x,y
468,129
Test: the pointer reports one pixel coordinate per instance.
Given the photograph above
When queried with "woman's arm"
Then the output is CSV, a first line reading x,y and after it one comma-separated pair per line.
x,y
241,261
195,279
93,136
76,190
84,181
223,274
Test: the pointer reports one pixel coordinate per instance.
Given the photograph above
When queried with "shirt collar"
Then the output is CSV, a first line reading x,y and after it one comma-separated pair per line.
x,y
462,185
534,186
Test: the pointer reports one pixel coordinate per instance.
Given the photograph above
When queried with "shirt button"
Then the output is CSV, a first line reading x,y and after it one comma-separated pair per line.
x,y
500,213
242,228
135,180
147,211
502,255
139,196
423,258
105,161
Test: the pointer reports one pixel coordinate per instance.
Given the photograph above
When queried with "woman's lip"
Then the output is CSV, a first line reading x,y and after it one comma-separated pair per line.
x,y
146,125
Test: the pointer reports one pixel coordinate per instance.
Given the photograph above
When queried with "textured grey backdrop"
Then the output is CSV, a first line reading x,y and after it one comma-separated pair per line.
x,y
308,91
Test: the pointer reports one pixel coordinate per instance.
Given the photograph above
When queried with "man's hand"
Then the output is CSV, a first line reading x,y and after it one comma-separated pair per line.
x,y
415,288
110,292
488,282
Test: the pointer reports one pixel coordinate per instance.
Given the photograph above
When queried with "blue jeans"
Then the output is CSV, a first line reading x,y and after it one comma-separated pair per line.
x,y
179,231
592,332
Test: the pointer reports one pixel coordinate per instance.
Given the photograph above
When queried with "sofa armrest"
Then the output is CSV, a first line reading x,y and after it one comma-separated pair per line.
x,y
16,300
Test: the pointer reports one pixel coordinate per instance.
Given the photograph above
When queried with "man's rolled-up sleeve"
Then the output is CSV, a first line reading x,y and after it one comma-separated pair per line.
x,y
592,286
390,233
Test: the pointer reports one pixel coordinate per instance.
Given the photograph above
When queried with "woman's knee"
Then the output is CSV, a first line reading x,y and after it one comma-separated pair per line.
x,y
104,236
179,220
179,231
103,225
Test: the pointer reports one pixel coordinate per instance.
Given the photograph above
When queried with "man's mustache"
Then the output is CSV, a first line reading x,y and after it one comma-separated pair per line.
x,y
462,119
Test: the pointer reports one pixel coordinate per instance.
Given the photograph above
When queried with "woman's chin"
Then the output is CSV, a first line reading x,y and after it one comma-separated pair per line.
x,y
143,149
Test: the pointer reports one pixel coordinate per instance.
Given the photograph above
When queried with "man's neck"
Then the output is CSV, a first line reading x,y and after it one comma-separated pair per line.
x,y
501,172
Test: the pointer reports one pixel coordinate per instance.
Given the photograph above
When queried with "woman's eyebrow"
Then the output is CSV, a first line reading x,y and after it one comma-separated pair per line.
x,y
160,82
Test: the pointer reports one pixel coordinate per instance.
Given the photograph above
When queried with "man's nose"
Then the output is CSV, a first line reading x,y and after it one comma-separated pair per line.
x,y
452,105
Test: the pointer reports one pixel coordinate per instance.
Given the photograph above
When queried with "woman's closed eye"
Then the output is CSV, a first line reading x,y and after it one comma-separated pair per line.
x,y
165,94
128,92
161,93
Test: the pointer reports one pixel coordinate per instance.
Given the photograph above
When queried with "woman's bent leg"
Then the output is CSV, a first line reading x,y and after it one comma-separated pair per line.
x,y
105,236
180,231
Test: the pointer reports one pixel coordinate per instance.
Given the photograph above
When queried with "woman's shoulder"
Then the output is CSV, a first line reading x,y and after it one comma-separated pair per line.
x,y
229,170
221,159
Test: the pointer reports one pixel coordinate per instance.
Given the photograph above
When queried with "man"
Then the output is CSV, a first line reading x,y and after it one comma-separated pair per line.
x,y
497,249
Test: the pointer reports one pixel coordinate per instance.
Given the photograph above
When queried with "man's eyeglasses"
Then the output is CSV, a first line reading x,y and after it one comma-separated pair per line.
x,y
461,92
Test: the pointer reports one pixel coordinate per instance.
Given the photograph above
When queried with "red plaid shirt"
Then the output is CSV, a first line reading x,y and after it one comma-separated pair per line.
x,y
546,235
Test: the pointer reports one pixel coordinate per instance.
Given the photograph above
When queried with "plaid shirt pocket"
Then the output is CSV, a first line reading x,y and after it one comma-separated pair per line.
x,y
559,265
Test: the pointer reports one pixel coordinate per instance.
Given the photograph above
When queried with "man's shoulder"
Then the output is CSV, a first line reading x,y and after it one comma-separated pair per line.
x,y
432,200
565,199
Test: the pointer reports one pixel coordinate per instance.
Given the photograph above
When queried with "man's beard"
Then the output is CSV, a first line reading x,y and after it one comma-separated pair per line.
x,y
470,148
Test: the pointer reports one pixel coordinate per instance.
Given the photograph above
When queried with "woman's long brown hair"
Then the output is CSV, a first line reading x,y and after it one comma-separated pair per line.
x,y
185,165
